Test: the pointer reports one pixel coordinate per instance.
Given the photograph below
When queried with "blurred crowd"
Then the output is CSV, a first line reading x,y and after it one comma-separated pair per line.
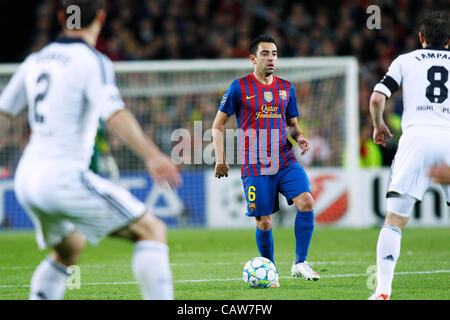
x,y
192,29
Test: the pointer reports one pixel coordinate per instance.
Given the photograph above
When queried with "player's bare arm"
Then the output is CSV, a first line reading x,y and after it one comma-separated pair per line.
x,y
297,133
160,166
221,169
4,125
380,130
440,174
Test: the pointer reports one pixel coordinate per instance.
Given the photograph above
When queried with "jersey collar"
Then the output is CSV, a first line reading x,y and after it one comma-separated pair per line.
x,y
263,84
436,48
65,39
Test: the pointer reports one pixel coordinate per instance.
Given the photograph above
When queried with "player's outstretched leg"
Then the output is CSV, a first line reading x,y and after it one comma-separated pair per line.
x,y
304,226
388,252
49,279
150,261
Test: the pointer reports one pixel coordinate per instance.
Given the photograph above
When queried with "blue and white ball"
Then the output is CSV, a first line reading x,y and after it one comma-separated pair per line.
x,y
259,272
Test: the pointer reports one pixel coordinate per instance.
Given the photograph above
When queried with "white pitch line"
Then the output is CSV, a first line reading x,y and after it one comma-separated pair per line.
x,y
187,264
240,279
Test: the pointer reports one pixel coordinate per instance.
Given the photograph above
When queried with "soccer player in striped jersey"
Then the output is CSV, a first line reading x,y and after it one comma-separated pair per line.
x,y
68,87
424,75
266,110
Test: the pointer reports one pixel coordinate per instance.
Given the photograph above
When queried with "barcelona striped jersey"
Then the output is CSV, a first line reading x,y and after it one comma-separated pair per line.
x,y
261,111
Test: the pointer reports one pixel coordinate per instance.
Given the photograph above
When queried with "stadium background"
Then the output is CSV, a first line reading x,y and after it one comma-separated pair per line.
x,y
188,29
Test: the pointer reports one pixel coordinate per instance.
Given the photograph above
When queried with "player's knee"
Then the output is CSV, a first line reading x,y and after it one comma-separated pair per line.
x,y
69,250
264,223
396,220
399,209
305,202
149,227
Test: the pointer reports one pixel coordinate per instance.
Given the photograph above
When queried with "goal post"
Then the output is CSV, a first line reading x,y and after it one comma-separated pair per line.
x,y
176,101
352,137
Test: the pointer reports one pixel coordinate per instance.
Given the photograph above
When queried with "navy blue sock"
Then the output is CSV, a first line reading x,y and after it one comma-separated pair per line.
x,y
264,241
304,226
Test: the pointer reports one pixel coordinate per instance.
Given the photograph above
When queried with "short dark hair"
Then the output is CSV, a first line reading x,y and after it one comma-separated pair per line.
x,y
435,28
261,38
88,9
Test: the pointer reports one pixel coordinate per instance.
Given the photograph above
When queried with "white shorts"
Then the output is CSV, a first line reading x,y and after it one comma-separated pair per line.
x,y
419,148
60,200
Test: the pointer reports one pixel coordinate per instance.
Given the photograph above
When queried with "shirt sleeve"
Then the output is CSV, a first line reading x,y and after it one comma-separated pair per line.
x,y
13,98
292,109
392,80
102,91
231,100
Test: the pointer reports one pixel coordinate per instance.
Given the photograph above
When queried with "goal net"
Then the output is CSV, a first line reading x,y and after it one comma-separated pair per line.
x,y
176,102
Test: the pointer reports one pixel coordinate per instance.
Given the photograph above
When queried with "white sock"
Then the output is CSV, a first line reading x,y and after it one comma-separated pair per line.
x,y
49,281
388,251
152,270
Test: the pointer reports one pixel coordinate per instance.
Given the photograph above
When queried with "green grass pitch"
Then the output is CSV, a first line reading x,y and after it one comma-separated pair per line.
x,y
207,264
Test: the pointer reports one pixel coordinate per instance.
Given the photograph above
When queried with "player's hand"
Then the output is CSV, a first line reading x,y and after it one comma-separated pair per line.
x,y
440,174
221,170
164,171
380,134
303,144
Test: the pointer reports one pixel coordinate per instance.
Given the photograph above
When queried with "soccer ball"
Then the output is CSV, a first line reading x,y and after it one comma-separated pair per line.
x,y
259,272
